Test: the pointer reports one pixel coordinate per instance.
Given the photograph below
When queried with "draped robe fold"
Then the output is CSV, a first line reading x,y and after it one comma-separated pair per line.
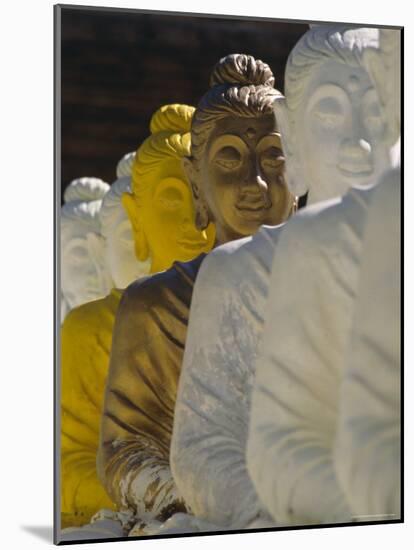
x,y
86,337
148,346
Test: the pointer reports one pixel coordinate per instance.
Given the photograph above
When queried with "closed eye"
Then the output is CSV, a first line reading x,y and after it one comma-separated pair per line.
x,y
329,119
273,162
272,158
171,197
228,164
329,112
169,204
228,158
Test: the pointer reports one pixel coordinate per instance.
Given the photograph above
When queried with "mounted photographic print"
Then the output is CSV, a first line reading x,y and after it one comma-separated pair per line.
x,y
228,274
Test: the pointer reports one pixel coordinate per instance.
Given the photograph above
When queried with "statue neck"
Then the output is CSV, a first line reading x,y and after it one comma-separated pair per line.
x,y
323,192
225,235
158,265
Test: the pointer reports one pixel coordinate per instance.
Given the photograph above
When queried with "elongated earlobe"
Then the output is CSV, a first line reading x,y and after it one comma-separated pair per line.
x,y
140,241
382,81
294,178
141,247
202,217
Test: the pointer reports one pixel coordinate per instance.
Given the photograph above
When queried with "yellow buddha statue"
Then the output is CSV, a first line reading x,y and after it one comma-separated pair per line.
x,y
161,215
236,170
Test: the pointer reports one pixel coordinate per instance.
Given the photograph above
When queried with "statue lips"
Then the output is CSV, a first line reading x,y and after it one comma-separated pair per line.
x,y
253,207
362,170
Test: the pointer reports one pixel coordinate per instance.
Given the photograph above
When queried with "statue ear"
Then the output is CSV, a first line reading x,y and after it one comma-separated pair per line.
x,y
141,244
294,178
202,216
375,68
382,81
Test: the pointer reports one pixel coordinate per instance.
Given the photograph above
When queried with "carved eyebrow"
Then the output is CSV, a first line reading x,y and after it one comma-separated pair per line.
x,y
271,139
226,140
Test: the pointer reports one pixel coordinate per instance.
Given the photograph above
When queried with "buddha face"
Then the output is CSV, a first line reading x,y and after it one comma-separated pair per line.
x,y
241,176
340,131
83,277
163,219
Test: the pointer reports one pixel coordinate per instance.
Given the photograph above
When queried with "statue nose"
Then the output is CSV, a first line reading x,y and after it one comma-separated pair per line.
x,y
355,154
355,146
261,184
254,182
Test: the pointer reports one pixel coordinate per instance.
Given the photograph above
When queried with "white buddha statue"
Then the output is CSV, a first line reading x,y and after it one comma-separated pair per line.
x,y
367,450
324,416
124,166
83,273
97,240
333,136
119,247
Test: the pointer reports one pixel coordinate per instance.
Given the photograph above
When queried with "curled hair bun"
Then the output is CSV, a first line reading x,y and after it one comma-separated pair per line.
x,y
124,166
174,118
85,189
241,69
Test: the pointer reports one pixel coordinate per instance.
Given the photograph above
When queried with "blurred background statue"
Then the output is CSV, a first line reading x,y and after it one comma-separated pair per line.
x,y
84,276
119,247
162,215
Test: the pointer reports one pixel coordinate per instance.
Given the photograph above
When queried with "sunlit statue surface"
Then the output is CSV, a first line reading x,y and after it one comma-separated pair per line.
x,y
314,298
236,174
84,276
367,450
87,330
331,131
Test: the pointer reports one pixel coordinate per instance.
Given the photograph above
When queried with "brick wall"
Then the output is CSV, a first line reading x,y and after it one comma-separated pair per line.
x,y
119,67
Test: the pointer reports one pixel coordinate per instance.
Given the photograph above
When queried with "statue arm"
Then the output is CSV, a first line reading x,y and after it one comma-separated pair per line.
x,y
84,360
368,443
133,458
293,414
207,451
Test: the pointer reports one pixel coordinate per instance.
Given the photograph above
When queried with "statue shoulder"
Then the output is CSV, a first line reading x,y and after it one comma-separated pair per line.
x,y
310,229
233,263
156,288
221,263
91,314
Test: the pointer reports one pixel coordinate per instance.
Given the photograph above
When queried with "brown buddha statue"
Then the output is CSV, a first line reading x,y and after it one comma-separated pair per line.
x,y
236,171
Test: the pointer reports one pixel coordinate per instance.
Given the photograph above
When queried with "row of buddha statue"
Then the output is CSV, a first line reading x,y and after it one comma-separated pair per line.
x,y
229,361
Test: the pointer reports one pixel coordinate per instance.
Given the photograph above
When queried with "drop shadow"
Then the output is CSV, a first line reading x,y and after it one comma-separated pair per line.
x,y
42,532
